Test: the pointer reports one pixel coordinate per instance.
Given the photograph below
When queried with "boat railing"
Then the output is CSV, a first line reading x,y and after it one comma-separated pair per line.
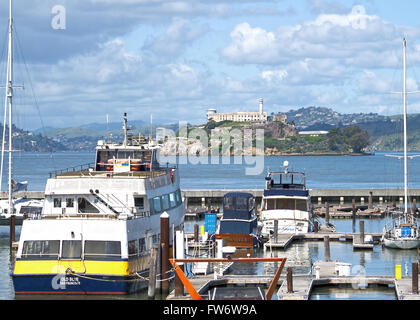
x,y
77,168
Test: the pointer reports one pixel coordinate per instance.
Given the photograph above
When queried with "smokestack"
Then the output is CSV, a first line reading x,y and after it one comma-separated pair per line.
x,y
261,106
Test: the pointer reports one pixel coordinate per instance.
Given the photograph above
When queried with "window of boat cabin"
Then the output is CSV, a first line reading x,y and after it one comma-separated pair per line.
x,y
178,197
172,199
286,204
139,203
241,203
133,248
85,206
40,249
228,204
71,249
97,250
165,202
157,208
69,203
142,246
57,202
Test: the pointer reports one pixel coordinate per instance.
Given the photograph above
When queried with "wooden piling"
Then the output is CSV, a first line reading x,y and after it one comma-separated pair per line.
x,y
327,213
414,208
370,200
353,204
164,244
316,226
362,231
276,230
415,277
12,229
196,233
289,276
327,248
152,273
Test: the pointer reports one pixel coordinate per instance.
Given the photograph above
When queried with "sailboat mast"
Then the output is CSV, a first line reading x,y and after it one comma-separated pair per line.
x,y
405,127
10,99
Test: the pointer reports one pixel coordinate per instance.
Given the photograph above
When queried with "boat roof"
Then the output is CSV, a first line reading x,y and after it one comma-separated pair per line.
x,y
239,194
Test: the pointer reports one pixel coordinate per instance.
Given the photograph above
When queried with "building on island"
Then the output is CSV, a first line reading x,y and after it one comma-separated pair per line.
x,y
259,116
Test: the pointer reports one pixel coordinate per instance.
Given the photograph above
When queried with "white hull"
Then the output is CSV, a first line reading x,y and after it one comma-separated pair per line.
x,y
404,244
289,222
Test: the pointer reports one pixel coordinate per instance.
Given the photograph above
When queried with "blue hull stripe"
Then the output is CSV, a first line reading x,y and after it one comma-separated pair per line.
x,y
62,284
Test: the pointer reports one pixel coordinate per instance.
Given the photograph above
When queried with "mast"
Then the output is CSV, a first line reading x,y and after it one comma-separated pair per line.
x,y
10,100
405,128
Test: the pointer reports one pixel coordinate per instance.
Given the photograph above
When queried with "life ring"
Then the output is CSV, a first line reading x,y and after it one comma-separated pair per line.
x,y
110,166
135,166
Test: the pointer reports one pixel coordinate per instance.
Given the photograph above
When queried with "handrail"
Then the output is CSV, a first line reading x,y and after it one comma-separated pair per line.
x,y
72,169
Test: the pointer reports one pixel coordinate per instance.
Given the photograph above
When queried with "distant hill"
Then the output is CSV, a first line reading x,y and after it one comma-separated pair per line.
x,y
321,117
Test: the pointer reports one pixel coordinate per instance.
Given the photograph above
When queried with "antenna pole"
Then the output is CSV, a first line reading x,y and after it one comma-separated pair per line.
x,y
405,127
125,129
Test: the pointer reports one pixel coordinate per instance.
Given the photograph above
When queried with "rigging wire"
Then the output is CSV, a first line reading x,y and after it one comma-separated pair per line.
x,y
35,97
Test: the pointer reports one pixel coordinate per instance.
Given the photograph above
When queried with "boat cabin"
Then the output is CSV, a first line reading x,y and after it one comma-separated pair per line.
x,y
120,158
238,206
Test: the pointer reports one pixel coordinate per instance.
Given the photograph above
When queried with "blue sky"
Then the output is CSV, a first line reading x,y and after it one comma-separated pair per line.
x,y
177,58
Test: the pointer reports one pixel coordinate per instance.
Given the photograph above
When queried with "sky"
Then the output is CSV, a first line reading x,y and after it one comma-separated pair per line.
x,y
81,60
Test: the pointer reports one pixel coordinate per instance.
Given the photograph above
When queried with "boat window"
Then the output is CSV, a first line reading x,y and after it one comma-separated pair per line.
x,y
156,205
39,249
86,207
178,197
133,248
172,199
57,203
251,203
72,249
278,204
301,205
228,204
110,250
69,203
142,246
139,202
241,203
165,202
155,239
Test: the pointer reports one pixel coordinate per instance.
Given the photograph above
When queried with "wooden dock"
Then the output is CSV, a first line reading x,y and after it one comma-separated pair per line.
x,y
359,243
283,241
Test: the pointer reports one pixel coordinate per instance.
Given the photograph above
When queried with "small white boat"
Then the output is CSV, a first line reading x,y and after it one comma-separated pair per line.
x,y
287,203
404,231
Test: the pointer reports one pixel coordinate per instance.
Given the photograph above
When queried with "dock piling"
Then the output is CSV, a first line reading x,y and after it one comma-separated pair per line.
x,y
12,229
353,204
152,273
289,276
414,208
362,231
196,233
164,244
276,230
371,200
327,213
415,277
327,248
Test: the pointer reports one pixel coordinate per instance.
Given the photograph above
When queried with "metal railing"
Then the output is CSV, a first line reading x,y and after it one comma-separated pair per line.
x,y
77,168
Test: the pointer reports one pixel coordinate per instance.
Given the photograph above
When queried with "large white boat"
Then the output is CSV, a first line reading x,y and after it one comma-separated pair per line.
x,y
403,232
287,201
98,224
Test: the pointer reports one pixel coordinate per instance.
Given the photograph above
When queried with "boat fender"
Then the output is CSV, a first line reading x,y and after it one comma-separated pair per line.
x,y
172,176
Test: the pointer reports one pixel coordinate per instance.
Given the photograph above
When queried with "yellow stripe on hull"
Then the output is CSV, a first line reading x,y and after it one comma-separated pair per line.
x,y
23,267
